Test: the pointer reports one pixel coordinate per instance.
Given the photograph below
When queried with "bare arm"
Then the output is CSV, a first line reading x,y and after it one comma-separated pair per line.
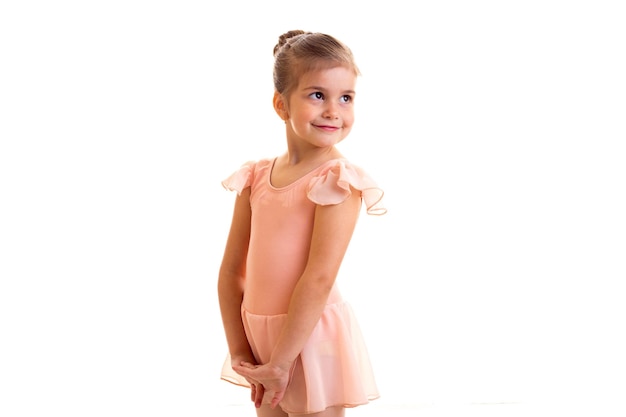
x,y
231,280
332,232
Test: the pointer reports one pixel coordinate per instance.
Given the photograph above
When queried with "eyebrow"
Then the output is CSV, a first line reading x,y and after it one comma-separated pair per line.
x,y
315,87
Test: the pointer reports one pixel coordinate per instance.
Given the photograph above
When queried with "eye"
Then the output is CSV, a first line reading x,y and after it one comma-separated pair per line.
x,y
346,99
317,95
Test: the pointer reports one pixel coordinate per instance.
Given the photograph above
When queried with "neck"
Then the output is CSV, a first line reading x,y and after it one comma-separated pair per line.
x,y
302,156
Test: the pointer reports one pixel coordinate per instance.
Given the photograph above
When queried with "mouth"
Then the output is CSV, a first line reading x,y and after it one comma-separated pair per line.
x,y
327,128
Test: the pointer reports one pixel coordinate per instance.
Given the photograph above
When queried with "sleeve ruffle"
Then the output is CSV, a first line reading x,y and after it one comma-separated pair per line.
x,y
333,187
240,179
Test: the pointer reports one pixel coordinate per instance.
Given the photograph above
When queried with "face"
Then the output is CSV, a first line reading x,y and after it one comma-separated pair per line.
x,y
320,110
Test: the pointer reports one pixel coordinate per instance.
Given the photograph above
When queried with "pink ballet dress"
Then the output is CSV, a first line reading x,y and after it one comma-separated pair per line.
x,y
334,368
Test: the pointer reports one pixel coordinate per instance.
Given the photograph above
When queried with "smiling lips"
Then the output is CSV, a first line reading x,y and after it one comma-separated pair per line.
x,y
327,128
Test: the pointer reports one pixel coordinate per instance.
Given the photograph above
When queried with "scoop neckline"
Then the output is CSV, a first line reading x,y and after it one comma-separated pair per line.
x,y
297,180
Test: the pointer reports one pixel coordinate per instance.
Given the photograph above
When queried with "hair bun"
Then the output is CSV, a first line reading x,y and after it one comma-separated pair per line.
x,y
285,38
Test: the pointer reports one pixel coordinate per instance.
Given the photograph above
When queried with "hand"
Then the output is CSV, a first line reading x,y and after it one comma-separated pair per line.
x,y
272,379
257,390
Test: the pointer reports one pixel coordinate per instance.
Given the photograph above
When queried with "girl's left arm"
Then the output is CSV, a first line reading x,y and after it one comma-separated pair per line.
x,y
332,231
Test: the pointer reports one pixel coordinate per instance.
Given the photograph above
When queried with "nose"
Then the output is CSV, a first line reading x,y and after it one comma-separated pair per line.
x,y
330,111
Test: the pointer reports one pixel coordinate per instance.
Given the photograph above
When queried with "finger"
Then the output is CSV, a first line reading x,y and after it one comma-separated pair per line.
x,y
278,396
260,392
242,371
253,392
247,365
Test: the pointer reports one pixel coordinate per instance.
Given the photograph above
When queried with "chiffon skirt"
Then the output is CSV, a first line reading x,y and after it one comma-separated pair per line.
x,y
333,368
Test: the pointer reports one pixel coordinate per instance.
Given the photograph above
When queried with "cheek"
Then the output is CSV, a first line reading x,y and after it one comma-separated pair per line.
x,y
348,119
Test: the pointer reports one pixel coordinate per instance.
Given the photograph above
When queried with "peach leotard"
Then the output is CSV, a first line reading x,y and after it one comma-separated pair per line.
x,y
333,369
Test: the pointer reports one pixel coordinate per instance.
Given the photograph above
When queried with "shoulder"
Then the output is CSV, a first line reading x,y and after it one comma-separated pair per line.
x,y
245,175
335,181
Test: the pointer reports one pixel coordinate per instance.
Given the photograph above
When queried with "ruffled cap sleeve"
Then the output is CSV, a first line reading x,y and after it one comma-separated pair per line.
x,y
333,187
240,179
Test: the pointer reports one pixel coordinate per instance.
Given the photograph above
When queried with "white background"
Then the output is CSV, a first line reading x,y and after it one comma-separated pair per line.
x,y
495,128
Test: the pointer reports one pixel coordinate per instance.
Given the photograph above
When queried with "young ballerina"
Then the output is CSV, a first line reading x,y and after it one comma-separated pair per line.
x,y
291,337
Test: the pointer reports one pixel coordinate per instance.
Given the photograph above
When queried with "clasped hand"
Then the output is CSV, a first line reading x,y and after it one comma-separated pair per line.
x,y
265,379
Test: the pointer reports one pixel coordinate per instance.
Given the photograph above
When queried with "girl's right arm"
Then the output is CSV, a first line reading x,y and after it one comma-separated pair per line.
x,y
232,277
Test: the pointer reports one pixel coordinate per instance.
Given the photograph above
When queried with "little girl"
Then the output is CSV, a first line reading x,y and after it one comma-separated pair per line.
x,y
291,337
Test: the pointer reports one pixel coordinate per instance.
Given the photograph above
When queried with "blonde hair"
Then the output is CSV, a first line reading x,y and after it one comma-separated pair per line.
x,y
298,52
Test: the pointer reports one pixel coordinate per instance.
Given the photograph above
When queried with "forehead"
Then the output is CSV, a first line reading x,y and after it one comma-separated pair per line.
x,y
338,77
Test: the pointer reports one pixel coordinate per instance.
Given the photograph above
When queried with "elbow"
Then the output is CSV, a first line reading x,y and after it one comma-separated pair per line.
x,y
323,283
230,284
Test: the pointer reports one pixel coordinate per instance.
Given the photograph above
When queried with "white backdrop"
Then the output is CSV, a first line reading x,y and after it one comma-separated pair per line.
x,y
495,128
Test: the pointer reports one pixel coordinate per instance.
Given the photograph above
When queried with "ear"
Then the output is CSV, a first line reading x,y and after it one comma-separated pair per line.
x,y
280,106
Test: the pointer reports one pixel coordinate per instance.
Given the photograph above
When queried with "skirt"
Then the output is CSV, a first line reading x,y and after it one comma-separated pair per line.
x,y
333,368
